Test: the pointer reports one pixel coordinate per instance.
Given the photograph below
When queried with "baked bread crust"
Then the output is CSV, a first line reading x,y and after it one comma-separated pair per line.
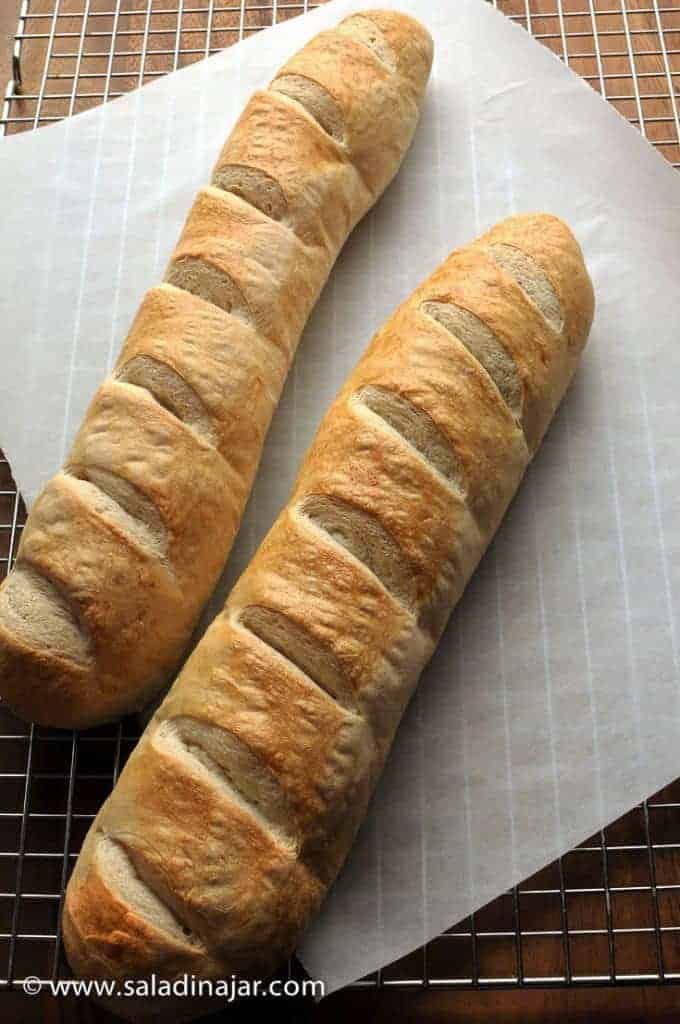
x,y
241,801
125,544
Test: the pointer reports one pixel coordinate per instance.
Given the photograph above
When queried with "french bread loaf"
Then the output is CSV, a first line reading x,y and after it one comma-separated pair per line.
x,y
237,808
125,544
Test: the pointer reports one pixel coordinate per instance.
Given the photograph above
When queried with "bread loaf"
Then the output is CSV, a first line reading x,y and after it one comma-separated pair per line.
x,y
240,803
125,544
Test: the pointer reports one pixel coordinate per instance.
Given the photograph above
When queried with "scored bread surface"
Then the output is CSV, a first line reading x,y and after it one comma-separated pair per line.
x,y
125,544
237,808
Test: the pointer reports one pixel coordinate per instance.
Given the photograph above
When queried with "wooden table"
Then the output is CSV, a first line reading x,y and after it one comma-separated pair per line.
x,y
618,1005
621,1003
8,23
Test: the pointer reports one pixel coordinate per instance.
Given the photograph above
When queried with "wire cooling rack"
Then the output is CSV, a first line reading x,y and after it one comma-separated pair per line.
x,y
607,912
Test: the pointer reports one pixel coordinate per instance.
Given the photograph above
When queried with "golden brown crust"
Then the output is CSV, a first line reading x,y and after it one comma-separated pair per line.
x,y
334,61
293,715
243,848
99,919
69,547
189,483
227,363
322,191
342,607
413,504
455,395
278,277
557,253
127,543
483,289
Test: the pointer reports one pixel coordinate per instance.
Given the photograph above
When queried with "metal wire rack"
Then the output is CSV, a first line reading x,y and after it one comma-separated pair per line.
x,y
607,912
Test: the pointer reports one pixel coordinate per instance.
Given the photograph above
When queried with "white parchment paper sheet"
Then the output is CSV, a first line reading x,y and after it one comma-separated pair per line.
x,y
552,705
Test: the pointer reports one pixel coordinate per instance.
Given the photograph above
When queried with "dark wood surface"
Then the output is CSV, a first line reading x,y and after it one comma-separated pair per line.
x,y
9,10
614,1004
620,1005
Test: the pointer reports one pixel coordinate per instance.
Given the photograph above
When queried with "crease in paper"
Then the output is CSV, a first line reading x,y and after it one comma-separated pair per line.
x,y
553,702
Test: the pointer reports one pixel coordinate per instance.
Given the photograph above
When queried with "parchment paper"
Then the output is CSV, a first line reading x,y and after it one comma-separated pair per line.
x,y
552,705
